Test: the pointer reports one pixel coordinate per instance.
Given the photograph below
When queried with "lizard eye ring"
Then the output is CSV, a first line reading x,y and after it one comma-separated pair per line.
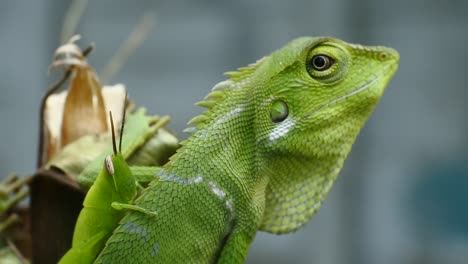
x,y
326,63
321,62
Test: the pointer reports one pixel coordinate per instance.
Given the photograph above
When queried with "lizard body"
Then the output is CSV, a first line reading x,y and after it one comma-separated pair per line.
x,y
263,156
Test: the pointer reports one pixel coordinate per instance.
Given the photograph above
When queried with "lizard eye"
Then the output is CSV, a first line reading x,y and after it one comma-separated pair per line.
x,y
320,62
326,63
279,111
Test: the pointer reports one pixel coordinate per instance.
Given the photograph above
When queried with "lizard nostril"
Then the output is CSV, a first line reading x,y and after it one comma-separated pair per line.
x,y
388,54
383,56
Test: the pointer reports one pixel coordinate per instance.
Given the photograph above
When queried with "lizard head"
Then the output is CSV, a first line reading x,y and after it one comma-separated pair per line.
x,y
317,95
292,118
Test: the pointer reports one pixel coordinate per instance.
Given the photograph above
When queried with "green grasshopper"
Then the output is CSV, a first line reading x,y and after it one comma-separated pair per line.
x,y
114,189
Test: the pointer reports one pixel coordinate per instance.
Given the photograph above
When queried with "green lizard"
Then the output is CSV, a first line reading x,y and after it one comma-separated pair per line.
x,y
262,157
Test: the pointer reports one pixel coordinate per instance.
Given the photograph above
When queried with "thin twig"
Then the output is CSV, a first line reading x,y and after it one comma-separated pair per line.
x,y
12,219
72,18
7,188
9,179
136,38
17,252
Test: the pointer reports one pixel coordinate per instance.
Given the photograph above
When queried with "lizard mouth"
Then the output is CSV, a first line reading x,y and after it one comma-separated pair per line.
x,y
363,87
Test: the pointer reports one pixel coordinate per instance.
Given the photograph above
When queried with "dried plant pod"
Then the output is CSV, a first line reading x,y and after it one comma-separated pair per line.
x,y
54,114
69,55
81,109
47,144
84,111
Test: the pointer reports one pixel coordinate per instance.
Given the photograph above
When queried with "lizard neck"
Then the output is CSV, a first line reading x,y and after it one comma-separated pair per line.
x,y
222,154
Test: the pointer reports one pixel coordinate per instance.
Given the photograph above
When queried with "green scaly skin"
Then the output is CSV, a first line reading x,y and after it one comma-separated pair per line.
x,y
262,157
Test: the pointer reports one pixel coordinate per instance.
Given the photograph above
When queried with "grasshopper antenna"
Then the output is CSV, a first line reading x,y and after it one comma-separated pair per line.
x,y
113,133
123,122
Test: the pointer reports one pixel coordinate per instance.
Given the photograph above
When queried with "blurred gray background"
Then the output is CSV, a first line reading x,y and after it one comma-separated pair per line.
x,y
403,194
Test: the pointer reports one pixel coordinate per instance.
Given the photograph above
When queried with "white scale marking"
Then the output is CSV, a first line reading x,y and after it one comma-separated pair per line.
x,y
282,129
226,118
230,208
221,194
216,190
232,114
172,177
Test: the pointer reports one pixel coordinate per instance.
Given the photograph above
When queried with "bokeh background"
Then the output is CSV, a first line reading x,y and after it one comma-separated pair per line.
x,y
403,194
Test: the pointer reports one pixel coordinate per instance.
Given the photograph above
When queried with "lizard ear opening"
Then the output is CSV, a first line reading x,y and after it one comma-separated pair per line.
x,y
279,111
